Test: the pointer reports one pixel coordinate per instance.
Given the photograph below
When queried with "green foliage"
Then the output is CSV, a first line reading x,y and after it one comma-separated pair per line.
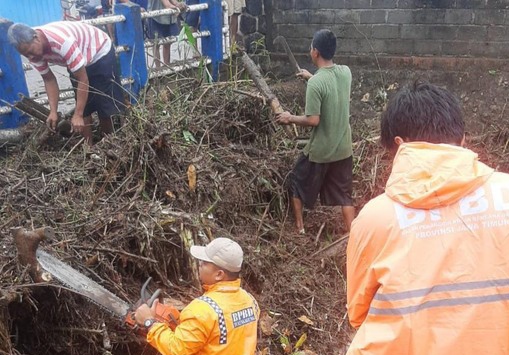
x,y
187,33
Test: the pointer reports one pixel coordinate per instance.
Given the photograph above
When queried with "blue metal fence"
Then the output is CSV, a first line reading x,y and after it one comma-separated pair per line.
x,y
130,48
12,78
30,12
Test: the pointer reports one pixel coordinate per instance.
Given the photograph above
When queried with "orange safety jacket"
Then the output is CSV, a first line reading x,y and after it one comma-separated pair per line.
x,y
428,260
221,322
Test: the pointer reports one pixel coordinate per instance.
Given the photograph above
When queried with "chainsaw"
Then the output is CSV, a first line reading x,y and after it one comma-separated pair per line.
x,y
97,294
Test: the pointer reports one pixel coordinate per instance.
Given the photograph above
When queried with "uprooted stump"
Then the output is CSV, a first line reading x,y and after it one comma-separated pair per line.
x,y
27,243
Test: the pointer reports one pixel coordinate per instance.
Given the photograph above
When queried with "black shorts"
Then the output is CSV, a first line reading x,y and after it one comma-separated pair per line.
x,y
105,94
332,181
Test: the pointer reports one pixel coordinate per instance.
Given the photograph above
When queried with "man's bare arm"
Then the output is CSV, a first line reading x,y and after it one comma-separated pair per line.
x,y
52,89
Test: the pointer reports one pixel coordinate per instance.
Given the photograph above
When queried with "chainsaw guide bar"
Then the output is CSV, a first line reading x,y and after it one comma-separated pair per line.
x,y
83,285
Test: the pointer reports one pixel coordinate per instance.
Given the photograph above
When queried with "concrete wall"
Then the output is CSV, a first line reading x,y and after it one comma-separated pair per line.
x,y
445,28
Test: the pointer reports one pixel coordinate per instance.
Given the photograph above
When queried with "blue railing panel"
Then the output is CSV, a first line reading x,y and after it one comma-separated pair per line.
x,y
129,33
12,79
30,12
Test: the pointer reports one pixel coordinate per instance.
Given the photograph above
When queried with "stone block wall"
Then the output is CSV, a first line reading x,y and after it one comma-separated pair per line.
x,y
459,28
253,25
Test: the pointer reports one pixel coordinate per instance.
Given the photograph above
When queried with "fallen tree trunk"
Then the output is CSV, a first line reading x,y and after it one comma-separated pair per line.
x,y
265,90
41,113
261,84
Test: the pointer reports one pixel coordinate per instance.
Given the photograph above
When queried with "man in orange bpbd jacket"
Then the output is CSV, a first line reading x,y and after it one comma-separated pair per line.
x,y
428,260
223,321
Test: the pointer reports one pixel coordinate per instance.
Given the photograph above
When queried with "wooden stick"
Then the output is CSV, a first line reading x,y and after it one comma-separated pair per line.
x,y
250,94
261,84
265,90
41,113
330,249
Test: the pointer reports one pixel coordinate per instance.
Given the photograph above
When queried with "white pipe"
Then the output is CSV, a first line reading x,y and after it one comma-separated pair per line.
x,y
155,13
105,20
173,39
226,31
177,68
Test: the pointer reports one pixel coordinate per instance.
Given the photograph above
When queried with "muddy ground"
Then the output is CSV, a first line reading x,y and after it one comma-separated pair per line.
x,y
125,216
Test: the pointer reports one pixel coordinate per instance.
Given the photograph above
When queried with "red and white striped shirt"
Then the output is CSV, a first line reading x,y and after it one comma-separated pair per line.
x,y
73,45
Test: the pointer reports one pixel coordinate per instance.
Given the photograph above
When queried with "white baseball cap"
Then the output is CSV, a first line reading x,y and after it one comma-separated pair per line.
x,y
222,252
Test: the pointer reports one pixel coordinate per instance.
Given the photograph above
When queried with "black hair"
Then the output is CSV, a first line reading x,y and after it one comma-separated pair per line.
x,y
324,41
231,275
423,112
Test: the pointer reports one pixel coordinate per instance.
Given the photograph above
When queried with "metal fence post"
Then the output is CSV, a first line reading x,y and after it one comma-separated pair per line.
x,y
129,33
212,46
12,79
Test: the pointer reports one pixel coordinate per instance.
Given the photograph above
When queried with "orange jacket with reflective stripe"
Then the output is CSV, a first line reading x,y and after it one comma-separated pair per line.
x,y
221,322
428,260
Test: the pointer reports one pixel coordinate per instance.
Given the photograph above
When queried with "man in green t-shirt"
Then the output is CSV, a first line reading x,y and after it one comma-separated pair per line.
x,y
325,167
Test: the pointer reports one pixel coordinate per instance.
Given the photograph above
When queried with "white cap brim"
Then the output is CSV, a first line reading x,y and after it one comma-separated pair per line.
x,y
199,253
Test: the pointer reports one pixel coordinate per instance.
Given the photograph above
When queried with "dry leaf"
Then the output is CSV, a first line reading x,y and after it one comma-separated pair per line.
x,y
393,87
170,195
93,260
266,323
306,320
167,221
191,176
365,98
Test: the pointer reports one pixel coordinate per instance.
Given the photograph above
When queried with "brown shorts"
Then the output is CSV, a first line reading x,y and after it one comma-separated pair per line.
x,y
332,181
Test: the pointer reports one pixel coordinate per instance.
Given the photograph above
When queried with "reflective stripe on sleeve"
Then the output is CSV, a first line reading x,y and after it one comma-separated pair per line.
x,y
220,315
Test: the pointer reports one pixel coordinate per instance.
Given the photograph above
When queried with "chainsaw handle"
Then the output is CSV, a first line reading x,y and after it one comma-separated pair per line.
x,y
145,296
154,296
164,313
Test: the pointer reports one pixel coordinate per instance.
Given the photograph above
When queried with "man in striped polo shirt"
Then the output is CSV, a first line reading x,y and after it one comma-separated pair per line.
x,y
89,56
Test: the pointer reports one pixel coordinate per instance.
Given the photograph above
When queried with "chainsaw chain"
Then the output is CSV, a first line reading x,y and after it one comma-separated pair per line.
x,y
83,285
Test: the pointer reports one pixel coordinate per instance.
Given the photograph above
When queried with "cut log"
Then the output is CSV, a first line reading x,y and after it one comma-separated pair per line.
x,y
40,112
265,90
261,84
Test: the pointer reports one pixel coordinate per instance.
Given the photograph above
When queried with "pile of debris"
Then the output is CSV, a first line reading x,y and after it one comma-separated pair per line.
x,y
191,162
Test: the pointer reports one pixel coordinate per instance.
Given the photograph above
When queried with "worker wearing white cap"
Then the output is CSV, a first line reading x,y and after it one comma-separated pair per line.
x,y
222,321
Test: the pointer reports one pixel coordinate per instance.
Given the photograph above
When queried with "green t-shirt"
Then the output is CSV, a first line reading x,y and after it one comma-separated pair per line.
x,y
328,95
